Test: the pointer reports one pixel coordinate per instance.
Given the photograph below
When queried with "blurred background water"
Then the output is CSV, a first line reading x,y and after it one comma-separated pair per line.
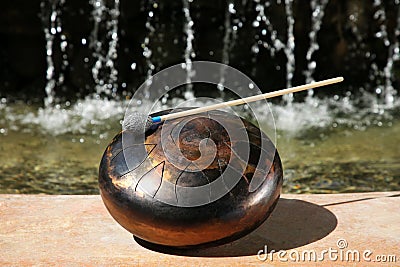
x,y
68,69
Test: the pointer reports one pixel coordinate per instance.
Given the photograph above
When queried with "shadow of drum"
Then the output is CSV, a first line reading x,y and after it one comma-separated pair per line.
x,y
293,223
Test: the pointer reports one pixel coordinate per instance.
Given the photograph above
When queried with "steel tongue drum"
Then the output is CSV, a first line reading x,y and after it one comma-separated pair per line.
x,y
191,178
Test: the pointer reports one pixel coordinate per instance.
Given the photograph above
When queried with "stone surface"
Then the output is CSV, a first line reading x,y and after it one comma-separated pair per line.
x,y
77,230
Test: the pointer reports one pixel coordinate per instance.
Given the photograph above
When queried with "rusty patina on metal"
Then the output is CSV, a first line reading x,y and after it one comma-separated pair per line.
x,y
230,217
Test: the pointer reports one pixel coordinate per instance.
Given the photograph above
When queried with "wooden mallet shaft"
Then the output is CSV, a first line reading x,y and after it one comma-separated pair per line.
x,y
247,99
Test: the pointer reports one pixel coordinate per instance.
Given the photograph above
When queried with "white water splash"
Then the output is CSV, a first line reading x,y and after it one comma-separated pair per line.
x,y
94,116
86,116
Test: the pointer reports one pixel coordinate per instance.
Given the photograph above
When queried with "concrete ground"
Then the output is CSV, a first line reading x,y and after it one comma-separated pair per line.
x,y
341,229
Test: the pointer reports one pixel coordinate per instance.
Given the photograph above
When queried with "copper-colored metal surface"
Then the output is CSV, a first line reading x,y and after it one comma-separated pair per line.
x,y
232,216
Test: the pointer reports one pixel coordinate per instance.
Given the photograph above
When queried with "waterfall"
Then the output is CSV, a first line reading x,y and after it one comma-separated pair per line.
x,y
189,52
262,31
393,56
385,86
229,40
277,44
318,12
289,49
52,29
380,17
147,52
273,36
104,73
290,44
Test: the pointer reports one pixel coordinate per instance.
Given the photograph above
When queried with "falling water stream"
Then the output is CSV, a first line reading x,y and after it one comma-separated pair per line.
x,y
105,47
189,53
53,30
145,45
318,11
327,145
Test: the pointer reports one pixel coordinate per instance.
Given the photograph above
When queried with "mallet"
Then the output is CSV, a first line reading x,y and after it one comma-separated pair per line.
x,y
136,120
